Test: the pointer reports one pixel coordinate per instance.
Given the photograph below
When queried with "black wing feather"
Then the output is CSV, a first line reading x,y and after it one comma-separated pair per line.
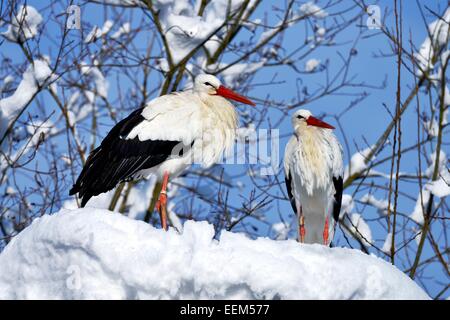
x,y
338,187
288,181
118,159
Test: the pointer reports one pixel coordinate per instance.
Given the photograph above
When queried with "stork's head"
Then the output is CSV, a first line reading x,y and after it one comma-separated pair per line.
x,y
302,119
207,83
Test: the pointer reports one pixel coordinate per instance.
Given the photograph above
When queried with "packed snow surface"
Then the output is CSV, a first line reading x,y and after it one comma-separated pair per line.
x,y
94,253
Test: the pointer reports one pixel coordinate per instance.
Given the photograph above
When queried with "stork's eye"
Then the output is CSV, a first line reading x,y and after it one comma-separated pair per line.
x,y
209,84
300,117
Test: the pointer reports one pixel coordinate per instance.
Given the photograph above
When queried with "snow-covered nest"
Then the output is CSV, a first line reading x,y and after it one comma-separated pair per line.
x,y
93,253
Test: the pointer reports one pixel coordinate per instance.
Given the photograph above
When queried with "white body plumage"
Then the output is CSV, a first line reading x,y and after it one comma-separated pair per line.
x,y
313,161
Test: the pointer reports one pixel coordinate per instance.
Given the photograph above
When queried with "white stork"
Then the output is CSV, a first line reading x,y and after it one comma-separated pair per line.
x,y
164,138
313,168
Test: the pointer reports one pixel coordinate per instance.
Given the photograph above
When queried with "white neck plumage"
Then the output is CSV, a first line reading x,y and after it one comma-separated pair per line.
x,y
219,123
314,158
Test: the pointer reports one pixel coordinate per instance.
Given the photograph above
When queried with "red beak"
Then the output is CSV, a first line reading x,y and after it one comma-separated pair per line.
x,y
230,94
318,123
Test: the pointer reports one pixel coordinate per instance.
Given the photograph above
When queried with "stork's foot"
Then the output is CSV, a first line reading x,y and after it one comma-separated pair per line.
x,y
325,233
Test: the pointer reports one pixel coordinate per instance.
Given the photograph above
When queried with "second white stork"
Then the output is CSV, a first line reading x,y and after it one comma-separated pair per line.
x,y
313,167
164,138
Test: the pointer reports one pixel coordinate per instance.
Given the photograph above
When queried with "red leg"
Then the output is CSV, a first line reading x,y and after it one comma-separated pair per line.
x,y
301,223
325,233
161,205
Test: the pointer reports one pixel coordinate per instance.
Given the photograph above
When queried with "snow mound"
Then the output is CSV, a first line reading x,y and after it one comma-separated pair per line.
x,y
97,254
